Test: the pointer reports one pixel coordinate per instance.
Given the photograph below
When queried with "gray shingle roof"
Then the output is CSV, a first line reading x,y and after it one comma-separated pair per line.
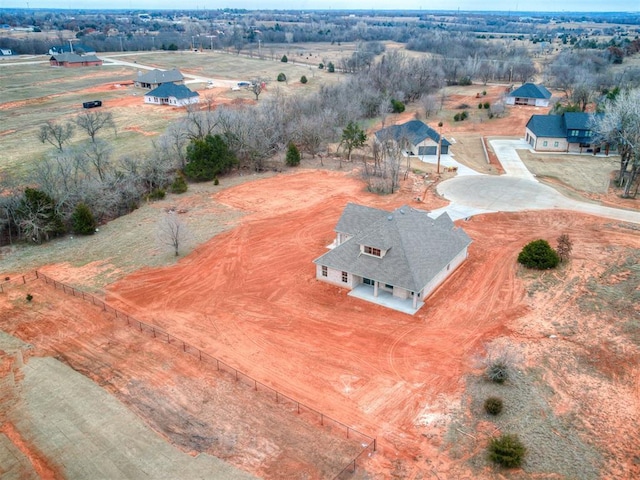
x,y
531,90
355,218
167,90
160,76
419,247
415,131
74,58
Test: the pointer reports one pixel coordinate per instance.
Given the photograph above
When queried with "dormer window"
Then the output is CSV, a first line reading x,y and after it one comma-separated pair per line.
x,y
372,251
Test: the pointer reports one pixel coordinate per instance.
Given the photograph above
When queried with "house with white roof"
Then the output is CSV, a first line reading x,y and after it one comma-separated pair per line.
x,y
171,94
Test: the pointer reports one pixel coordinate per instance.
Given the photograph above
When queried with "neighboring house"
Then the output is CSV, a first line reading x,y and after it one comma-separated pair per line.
x,y
77,48
171,94
392,258
155,78
74,60
415,137
529,94
570,132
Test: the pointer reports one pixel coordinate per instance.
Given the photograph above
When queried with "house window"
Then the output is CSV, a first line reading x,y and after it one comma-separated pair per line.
x,y
367,281
545,143
388,286
372,251
555,144
345,277
575,133
324,271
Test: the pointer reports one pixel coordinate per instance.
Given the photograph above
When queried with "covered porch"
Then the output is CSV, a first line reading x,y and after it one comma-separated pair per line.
x,y
385,298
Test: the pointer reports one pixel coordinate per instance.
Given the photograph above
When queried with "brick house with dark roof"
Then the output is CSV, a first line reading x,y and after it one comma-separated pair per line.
x,y
404,254
171,94
74,60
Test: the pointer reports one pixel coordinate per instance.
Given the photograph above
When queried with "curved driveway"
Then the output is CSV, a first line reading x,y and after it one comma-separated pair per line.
x,y
517,190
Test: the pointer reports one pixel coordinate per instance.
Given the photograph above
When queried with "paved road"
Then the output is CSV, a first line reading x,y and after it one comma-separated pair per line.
x,y
517,190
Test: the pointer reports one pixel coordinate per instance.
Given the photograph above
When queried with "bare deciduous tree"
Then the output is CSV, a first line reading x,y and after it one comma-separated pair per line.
x,y
57,134
173,232
565,245
93,122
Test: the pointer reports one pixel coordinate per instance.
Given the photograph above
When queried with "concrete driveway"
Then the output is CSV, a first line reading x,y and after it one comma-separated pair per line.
x,y
515,191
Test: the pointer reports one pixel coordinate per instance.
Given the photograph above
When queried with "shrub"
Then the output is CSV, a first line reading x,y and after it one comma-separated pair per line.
x,y
321,66
464,115
293,156
303,79
216,181
507,450
456,117
83,221
156,194
465,81
208,158
284,59
29,297
539,255
498,370
480,106
331,68
282,77
397,106
565,245
486,105
493,405
179,185
484,92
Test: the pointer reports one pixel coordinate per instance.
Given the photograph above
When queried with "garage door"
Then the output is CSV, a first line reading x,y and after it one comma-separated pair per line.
x,y
428,150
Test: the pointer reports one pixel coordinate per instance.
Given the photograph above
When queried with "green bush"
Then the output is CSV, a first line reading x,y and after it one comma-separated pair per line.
x,y
480,106
29,297
156,194
486,105
208,158
284,59
321,66
303,79
465,81
282,77
179,185
397,106
507,450
83,221
539,255
493,405
293,156
216,181
331,67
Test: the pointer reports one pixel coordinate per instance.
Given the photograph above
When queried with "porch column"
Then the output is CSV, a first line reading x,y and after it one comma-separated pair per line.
x,y
415,299
375,288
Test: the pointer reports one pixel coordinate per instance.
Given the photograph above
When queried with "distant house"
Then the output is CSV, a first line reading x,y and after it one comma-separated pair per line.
x,y
570,132
171,94
529,94
5,52
74,60
394,258
78,48
155,78
415,137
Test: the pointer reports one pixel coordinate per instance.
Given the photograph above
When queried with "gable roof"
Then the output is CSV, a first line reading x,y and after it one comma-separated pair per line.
x,y
167,90
160,76
531,90
74,58
558,125
417,247
415,131
547,126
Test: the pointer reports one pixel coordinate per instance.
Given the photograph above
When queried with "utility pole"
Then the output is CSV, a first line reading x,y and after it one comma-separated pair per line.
x,y
439,146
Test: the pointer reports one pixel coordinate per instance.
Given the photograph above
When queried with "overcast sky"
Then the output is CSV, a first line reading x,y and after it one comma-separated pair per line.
x,y
512,5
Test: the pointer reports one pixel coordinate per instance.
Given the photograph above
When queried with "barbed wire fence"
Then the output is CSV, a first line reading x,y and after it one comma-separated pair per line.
x,y
367,442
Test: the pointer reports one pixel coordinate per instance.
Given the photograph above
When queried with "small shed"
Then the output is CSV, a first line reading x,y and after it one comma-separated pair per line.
x,y
529,94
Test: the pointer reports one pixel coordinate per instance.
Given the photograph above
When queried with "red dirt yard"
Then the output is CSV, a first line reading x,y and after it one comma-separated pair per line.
x,y
250,298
